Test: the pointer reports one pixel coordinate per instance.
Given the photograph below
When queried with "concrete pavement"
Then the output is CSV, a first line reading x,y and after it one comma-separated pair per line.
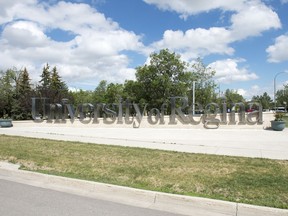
x,y
258,143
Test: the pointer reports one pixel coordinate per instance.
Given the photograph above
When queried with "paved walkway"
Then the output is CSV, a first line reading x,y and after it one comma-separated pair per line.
x,y
235,142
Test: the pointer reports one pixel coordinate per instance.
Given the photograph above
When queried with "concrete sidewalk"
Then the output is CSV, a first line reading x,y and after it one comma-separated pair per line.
x,y
258,143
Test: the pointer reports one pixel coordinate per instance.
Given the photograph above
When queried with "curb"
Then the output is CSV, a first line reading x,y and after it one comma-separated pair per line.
x,y
178,204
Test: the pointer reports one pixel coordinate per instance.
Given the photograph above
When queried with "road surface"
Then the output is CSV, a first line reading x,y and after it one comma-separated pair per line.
x,y
19,199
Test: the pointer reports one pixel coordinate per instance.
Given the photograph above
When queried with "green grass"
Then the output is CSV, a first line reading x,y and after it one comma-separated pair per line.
x,y
246,180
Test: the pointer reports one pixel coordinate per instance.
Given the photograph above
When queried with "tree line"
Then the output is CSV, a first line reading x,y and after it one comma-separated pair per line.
x,y
165,76
16,91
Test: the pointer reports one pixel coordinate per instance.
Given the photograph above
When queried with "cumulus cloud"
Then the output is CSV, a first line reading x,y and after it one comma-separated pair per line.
x,y
252,91
252,20
186,8
93,53
228,71
7,8
249,18
278,51
23,34
96,48
242,92
195,42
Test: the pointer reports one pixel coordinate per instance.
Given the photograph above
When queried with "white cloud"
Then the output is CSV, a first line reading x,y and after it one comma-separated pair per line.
x,y
7,8
249,93
252,20
242,92
249,18
195,42
186,8
96,51
228,71
94,54
24,34
278,51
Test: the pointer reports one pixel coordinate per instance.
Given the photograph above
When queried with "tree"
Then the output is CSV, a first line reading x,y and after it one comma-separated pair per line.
x,y
114,93
24,82
131,91
7,85
45,77
205,85
265,100
58,88
166,76
43,89
51,86
81,97
282,96
100,92
108,93
21,103
16,91
233,97
56,83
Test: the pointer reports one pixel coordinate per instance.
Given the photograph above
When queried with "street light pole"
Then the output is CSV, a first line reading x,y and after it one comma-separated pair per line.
x,y
275,87
193,98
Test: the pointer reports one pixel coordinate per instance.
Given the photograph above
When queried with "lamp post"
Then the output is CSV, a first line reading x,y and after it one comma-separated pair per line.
x,y
275,87
193,98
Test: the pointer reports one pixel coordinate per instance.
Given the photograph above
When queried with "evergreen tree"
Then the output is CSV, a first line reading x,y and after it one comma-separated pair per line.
x,y
57,86
45,82
7,90
24,82
56,83
51,86
45,77
21,103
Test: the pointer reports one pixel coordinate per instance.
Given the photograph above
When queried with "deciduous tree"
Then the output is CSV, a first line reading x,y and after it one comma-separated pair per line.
x,y
265,100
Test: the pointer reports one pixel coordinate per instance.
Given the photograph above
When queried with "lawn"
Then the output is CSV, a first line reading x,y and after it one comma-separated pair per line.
x,y
239,179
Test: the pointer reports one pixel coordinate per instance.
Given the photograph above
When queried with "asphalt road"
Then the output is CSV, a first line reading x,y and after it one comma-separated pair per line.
x,y
20,199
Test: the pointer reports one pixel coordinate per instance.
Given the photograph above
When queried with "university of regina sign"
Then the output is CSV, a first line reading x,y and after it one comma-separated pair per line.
x,y
126,112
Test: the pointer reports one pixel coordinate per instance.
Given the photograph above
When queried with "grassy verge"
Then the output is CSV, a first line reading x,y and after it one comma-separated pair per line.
x,y
254,181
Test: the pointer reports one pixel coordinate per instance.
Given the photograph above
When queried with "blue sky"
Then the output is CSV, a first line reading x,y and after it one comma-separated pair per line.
x,y
245,41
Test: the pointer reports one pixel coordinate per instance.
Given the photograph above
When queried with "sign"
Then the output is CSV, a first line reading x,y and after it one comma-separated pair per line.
x,y
124,112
